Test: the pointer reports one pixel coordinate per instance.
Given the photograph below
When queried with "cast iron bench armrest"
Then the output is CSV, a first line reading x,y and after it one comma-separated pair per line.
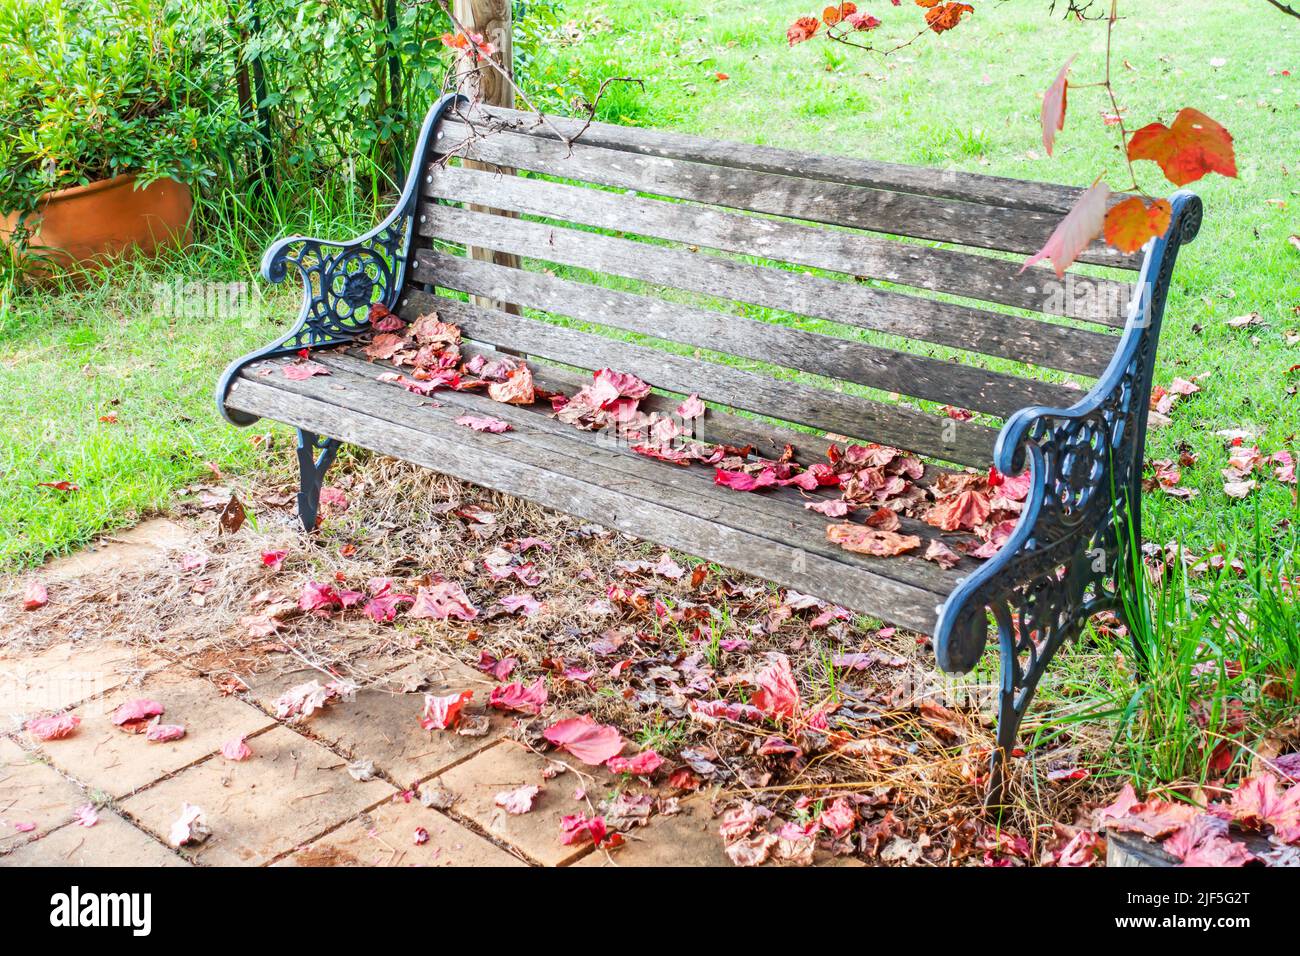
x,y
1061,564
340,280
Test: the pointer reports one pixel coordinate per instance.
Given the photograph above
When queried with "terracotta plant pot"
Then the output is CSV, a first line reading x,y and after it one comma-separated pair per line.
x,y
109,219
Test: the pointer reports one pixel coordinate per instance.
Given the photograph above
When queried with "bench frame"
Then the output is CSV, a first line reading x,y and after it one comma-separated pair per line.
x,y
1077,540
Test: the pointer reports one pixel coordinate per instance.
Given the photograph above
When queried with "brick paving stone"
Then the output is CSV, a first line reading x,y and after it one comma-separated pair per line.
x,y
110,842
104,757
291,791
506,766
64,675
32,792
382,724
386,837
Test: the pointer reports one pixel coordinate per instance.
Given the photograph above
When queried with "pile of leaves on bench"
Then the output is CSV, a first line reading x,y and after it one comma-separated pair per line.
x,y
878,481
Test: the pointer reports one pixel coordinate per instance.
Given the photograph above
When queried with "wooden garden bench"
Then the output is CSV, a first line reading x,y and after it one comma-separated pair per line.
x,y
633,237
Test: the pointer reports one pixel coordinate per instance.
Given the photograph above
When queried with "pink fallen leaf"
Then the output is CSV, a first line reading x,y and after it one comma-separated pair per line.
x,y
692,407
743,480
443,713
1205,842
517,801
777,694
482,423
319,597
517,697
579,829
87,816
305,699
35,597
639,765
52,728
300,371
273,559
24,827
420,837
1073,234
383,608
443,600
333,498
190,827
135,715
838,817
590,742
236,749
524,604
160,733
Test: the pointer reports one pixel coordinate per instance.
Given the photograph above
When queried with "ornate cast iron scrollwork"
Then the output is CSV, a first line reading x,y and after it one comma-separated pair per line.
x,y
1062,563
341,280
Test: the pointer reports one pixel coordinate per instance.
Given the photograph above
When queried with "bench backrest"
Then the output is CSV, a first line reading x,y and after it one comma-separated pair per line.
x,y
851,297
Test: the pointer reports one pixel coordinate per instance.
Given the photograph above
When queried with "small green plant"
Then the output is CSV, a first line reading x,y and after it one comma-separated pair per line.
x,y
91,89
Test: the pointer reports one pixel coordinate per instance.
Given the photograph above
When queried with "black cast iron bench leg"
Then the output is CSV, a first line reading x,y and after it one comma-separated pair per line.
x,y
315,454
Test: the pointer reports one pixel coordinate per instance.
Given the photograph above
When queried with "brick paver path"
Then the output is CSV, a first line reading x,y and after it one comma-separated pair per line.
x,y
294,802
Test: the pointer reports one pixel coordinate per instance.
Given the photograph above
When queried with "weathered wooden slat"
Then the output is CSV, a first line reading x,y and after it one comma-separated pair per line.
x,y
966,443
849,170
920,266
844,303
890,213
600,456
852,361
632,508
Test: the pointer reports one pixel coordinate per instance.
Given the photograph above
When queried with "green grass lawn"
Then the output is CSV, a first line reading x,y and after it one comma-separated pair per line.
x,y
968,100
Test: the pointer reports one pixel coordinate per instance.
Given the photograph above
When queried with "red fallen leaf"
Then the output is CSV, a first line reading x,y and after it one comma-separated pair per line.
x,y
579,829
710,711
517,697
333,498
442,378
945,16
802,29
482,423
55,727
273,559
1081,225
443,600
519,800
385,345
998,536
743,480
300,371
1194,146
777,694
517,389
383,607
442,713
160,733
1204,842
1054,104
35,597
235,749
863,540
1085,848
620,384
111,419
640,765
59,485
319,597
24,827
839,817
957,414
692,407
498,668
1132,223
942,555
964,512
134,715
590,742
522,604
831,508
382,320
720,77
884,519
1154,818
1258,802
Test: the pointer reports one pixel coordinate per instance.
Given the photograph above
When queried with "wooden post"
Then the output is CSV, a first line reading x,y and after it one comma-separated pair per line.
x,y
482,84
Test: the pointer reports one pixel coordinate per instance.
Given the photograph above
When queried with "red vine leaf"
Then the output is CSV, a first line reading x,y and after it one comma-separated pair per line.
x,y
833,15
945,16
802,29
1054,102
1130,224
1082,224
1193,146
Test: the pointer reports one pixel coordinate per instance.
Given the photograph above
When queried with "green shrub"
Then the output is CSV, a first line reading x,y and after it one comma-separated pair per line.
x,y
91,89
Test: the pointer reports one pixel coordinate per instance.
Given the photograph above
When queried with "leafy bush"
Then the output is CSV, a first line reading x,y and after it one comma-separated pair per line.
x,y
91,89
